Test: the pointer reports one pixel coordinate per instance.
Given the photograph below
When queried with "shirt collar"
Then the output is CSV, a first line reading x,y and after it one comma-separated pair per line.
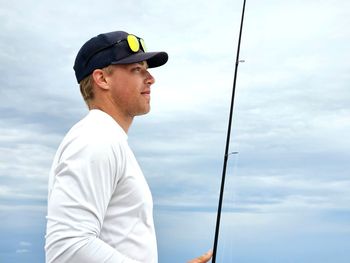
x,y
110,120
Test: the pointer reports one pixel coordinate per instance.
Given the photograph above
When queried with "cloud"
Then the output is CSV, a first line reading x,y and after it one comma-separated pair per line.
x,y
24,244
20,251
24,247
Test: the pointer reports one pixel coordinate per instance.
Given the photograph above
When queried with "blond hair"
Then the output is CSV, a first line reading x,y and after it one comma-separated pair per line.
x,y
86,86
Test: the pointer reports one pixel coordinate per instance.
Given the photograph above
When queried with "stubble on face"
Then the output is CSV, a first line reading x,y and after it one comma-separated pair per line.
x,y
131,89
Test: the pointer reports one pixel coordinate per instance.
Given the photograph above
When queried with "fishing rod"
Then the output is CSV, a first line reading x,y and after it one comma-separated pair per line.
x,y
217,229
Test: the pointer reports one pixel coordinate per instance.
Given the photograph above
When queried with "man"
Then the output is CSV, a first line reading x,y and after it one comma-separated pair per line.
x,y
100,208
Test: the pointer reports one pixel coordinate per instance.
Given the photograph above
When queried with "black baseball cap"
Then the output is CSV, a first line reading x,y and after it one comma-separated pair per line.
x,y
113,48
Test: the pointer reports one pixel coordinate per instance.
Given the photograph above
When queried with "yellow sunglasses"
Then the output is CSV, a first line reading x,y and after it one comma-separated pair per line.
x,y
135,43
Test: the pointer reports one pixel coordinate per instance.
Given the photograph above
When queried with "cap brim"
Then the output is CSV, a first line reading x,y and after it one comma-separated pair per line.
x,y
154,59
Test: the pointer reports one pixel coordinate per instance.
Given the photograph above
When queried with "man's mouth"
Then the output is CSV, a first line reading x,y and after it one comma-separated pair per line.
x,y
147,92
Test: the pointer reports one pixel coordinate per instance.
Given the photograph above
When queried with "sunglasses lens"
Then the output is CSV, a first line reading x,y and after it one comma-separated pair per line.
x,y
143,45
133,43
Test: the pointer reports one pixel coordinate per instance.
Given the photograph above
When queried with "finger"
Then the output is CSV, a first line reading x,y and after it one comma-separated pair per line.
x,y
203,259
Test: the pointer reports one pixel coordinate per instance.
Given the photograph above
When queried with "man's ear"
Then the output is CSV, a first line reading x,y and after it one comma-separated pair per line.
x,y
99,77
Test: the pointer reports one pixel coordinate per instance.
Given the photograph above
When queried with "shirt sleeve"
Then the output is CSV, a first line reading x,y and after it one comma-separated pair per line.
x,y
85,177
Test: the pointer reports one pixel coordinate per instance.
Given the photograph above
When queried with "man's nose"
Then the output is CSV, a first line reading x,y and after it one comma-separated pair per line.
x,y
150,79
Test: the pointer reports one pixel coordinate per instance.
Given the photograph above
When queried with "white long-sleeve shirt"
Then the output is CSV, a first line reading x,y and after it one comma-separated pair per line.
x,y
100,207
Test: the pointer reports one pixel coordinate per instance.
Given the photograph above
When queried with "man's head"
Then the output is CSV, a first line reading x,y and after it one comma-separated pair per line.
x,y
113,48
112,70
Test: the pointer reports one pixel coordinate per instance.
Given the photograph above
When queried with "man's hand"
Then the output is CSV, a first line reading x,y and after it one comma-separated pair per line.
x,y
202,259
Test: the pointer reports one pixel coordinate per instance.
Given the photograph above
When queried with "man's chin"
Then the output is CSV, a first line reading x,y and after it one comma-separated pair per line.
x,y
144,112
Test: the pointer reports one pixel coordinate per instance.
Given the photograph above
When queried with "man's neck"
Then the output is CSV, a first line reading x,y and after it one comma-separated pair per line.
x,y
123,121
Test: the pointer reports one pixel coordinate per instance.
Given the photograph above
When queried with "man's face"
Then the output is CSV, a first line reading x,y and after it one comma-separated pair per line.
x,y
130,87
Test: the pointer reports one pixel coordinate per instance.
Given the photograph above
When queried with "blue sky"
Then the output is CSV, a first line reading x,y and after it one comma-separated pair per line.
x,y
287,195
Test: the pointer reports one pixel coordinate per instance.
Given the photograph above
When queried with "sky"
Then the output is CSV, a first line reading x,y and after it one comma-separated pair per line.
x,y
287,195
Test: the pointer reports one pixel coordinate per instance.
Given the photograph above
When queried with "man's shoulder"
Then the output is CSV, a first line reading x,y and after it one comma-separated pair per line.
x,y
93,136
98,126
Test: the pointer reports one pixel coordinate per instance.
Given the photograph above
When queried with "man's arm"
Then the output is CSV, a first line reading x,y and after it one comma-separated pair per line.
x,y
85,179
